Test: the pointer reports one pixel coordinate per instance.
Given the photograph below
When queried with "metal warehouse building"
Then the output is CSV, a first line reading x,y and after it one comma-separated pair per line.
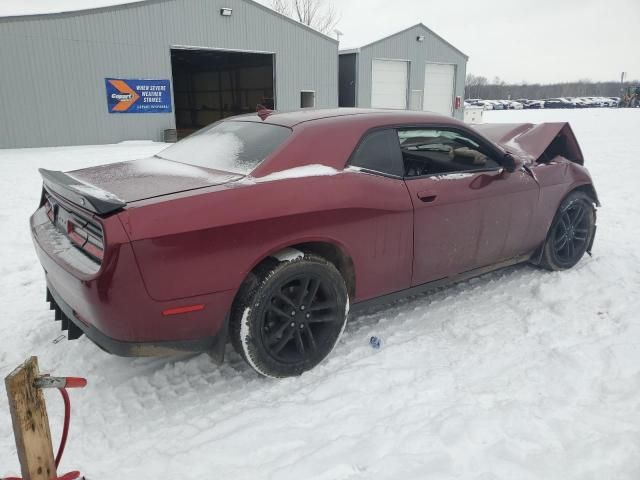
x,y
414,69
135,70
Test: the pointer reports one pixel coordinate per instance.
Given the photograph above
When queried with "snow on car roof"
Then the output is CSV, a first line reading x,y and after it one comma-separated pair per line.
x,y
17,8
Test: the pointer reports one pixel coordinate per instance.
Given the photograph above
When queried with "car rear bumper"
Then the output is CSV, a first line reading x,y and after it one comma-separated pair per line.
x,y
113,308
214,345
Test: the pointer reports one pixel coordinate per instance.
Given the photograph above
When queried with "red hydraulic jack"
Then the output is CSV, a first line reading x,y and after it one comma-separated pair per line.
x,y
33,439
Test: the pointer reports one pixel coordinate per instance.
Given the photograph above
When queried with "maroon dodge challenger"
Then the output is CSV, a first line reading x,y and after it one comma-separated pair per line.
x,y
264,228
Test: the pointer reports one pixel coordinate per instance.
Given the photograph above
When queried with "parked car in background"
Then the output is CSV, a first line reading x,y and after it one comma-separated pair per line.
x,y
579,102
596,101
258,230
587,102
537,104
486,104
560,102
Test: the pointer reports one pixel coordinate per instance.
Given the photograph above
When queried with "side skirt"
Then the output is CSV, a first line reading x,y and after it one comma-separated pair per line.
x,y
436,284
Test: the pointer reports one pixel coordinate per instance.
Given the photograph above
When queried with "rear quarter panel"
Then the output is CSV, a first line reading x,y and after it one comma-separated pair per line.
x,y
209,242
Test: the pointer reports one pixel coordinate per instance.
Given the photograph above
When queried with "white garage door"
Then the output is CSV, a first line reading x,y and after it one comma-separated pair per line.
x,y
389,84
438,88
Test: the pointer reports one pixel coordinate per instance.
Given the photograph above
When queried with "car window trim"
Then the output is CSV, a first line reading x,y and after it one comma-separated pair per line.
x,y
457,172
370,171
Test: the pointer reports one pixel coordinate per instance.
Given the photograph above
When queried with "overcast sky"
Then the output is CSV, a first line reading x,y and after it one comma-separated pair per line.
x,y
517,40
533,40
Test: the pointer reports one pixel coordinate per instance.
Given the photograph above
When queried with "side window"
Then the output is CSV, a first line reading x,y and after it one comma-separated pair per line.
x,y
427,151
379,151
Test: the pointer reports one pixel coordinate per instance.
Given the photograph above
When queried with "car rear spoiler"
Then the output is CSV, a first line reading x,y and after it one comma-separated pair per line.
x,y
83,194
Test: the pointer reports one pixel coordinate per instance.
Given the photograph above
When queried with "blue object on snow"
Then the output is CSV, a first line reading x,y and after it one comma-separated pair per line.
x,y
375,342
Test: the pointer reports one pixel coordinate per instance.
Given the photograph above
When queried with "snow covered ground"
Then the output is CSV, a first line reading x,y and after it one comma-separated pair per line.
x,y
521,374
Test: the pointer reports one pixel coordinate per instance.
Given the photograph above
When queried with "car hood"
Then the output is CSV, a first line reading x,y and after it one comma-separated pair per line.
x,y
150,177
535,142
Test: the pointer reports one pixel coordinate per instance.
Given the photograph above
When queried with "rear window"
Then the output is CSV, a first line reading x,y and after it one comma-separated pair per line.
x,y
236,147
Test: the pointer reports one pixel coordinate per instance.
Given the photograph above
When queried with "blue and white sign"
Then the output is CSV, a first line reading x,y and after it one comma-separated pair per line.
x,y
138,96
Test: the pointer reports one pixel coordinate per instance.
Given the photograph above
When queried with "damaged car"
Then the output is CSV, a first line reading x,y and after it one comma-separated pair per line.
x,y
268,229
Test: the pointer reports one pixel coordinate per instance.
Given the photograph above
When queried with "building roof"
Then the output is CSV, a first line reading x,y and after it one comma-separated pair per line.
x,y
23,8
29,8
419,25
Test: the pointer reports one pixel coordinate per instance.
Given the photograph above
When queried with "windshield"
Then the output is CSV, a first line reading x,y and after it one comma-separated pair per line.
x,y
236,147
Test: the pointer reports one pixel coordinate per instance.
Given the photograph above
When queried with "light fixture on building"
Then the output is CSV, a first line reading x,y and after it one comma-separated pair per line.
x,y
420,38
226,11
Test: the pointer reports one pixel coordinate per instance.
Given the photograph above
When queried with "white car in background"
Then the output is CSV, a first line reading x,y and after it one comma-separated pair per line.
x,y
609,102
587,102
485,104
596,101
580,102
497,105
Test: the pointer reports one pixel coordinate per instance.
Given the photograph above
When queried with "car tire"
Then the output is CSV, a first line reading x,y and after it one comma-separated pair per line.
x,y
571,232
289,314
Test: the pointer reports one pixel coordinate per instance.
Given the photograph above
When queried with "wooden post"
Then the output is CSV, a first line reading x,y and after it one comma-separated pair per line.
x,y
30,423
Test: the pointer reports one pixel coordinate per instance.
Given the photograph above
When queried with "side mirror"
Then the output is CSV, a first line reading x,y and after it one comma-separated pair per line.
x,y
509,163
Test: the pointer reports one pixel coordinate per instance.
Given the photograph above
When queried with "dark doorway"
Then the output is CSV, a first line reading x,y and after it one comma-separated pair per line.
x,y
212,84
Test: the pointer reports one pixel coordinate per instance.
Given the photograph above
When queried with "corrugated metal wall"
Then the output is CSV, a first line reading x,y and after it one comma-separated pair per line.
x,y
404,46
52,67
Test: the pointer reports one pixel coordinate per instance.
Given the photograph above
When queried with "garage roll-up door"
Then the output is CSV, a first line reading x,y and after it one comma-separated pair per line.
x,y
389,84
438,88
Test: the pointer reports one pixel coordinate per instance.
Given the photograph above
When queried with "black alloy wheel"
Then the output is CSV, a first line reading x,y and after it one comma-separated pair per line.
x,y
571,233
301,317
289,315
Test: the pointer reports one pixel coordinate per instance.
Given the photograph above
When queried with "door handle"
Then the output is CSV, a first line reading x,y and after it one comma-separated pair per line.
x,y
427,196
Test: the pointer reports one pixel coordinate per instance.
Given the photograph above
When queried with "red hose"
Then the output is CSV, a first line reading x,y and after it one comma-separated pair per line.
x,y
65,427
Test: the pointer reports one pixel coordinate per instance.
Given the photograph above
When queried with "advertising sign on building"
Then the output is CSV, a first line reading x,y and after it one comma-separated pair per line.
x,y
138,96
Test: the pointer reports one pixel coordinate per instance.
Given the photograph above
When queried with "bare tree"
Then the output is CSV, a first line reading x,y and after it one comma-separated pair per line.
x,y
478,87
474,85
318,14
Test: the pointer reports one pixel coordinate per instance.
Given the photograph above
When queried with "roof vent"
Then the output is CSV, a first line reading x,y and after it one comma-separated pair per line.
x,y
226,11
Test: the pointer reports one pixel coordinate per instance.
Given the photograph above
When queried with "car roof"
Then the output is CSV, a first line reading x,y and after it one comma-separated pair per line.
x,y
293,118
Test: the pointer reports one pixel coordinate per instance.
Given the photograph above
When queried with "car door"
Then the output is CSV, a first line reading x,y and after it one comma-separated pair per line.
x,y
385,231
468,211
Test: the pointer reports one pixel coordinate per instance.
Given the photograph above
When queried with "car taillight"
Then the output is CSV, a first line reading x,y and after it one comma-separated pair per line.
x,y
50,210
86,235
